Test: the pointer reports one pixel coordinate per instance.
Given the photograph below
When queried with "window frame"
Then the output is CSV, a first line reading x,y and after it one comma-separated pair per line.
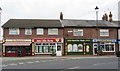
x,y
38,33
17,30
26,31
101,31
49,29
77,30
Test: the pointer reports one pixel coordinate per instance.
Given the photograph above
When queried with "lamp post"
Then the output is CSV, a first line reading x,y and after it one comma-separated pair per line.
x,y
0,23
96,9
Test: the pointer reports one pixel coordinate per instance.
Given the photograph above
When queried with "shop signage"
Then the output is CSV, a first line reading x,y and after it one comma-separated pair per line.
x,y
78,40
48,40
104,40
118,42
18,40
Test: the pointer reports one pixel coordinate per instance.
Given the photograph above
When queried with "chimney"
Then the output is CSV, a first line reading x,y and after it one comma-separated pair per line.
x,y
110,17
61,16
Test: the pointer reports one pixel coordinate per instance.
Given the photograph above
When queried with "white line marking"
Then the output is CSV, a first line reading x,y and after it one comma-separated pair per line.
x,y
12,64
4,65
74,68
29,62
44,61
37,61
104,63
21,63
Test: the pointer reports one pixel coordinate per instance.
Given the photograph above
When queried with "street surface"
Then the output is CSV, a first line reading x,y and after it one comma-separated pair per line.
x,y
60,63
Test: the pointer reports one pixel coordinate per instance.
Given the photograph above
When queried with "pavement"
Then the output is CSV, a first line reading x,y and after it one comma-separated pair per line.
x,y
55,57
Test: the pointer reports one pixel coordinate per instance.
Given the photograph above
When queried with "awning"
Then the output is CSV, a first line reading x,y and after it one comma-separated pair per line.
x,y
17,43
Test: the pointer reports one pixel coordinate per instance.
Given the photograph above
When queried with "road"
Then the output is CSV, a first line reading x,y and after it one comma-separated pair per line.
x,y
62,63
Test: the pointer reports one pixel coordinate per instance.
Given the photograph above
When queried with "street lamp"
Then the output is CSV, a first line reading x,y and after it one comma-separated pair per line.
x,y
0,23
96,9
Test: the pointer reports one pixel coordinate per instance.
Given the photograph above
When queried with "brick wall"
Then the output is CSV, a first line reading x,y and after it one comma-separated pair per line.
x,y
90,33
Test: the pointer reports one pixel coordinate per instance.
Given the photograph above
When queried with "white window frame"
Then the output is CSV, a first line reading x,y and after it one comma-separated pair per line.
x,y
109,45
26,29
49,33
118,33
39,31
104,31
77,30
11,30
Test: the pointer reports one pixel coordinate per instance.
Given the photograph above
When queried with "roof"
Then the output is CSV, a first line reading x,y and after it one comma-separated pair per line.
x,y
87,23
53,23
31,23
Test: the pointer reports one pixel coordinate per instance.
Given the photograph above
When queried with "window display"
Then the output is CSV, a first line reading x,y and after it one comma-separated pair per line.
x,y
87,48
75,48
69,47
80,48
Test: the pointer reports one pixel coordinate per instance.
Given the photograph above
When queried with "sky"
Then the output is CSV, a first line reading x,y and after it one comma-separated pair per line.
x,y
50,9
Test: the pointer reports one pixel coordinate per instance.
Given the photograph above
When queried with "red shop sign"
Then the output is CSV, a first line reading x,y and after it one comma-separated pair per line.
x,y
47,40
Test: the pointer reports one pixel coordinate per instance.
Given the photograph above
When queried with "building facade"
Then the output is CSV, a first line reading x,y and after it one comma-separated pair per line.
x,y
88,37
24,37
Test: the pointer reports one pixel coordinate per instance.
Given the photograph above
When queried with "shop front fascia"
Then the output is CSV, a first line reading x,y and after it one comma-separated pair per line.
x,y
48,46
106,46
119,44
17,47
78,46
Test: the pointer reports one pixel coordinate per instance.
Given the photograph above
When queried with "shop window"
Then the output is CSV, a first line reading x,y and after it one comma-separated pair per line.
x,y
53,31
104,32
14,31
80,48
87,48
40,31
107,47
75,48
69,47
11,49
58,48
28,31
45,44
78,32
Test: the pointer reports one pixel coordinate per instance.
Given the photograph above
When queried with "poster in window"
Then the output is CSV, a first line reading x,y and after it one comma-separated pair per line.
x,y
80,48
75,48
69,47
87,48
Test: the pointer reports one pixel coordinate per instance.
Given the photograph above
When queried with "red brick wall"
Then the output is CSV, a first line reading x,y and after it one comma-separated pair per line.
x,y
22,34
90,33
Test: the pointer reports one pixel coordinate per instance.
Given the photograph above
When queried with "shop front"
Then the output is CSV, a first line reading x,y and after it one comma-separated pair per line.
x,y
78,46
119,44
105,46
48,46
17,47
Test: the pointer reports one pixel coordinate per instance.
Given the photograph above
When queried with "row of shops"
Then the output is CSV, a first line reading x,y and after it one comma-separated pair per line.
x,y
60,46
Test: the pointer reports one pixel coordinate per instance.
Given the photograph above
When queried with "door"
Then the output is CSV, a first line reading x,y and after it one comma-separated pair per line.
x,y
95,47
59,50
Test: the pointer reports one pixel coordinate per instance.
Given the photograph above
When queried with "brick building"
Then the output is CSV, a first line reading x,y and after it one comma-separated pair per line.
x,y
24,37
64,37
89,36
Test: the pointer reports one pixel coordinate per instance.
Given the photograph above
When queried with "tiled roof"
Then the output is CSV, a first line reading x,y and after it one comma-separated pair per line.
x,y
31,23
87,23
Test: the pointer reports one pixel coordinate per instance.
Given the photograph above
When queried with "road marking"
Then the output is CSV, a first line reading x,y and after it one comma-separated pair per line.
x,y
21,63
37,61
44,61
4,65
74,68
104,63
29,62
12,64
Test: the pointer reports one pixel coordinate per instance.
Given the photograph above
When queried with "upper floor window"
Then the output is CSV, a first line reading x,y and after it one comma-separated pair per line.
x,y
78,32
53,31
14,31
104,32
28,31
118,33
39,31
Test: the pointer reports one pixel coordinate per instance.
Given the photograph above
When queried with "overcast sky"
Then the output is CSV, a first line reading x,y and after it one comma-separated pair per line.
x,y
50,9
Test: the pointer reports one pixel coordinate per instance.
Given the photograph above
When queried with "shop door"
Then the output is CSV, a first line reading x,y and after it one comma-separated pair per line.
x,y
59,50
95,46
